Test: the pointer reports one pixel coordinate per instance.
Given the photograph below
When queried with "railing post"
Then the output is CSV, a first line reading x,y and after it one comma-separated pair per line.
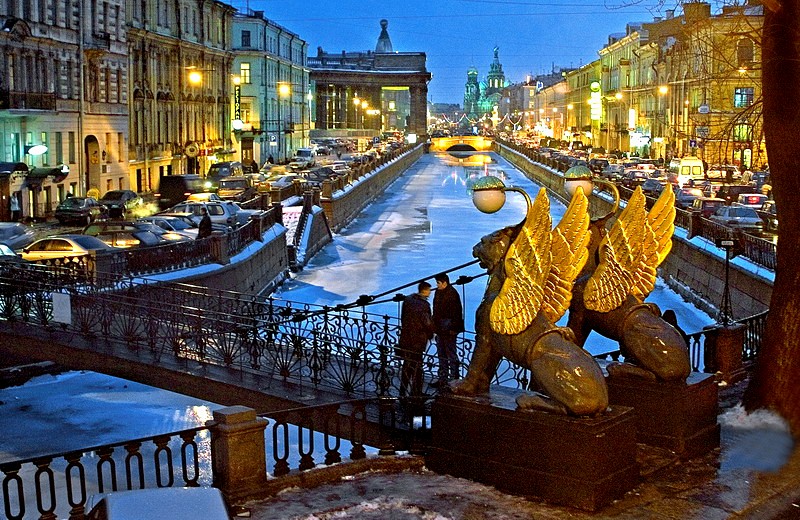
x,y
722,354
238,457
695,224
327,188
277,207
219,249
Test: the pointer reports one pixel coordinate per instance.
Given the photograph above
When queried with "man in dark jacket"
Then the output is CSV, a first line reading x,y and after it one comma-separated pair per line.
x,y
204,228
416,329
448,322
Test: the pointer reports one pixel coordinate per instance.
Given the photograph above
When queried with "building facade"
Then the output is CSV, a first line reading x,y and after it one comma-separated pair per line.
x,y
180,63
64,85
482,99
365,93
274,89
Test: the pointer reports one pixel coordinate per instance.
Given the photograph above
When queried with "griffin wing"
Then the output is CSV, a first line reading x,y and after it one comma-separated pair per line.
x,y
621,254
661,222
570,239
527,264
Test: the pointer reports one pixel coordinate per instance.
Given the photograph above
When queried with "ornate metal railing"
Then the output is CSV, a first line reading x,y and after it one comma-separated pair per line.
x,y
60,484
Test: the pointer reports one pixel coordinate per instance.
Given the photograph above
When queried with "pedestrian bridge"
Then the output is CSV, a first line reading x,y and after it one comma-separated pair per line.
x,y
461,143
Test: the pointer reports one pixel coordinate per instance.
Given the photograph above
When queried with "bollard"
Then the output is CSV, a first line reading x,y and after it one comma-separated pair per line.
x,y
238,457
219,249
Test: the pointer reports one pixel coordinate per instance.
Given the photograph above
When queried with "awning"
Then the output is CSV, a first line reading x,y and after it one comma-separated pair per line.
x,y
7,168
37,175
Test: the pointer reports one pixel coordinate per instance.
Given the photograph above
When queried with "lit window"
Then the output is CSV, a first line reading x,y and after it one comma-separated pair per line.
x,y
244,72
742,97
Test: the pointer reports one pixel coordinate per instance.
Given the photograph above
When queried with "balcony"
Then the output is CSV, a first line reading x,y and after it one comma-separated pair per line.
x,y
99,41
27,101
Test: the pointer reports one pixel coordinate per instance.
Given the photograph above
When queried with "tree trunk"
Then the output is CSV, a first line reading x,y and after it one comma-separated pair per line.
x,y
775,383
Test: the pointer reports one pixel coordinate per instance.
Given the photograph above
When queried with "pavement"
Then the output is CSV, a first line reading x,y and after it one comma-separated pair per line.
x,y
754,475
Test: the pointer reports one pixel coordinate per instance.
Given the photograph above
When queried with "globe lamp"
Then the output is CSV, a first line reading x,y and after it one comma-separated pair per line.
x,y
488,194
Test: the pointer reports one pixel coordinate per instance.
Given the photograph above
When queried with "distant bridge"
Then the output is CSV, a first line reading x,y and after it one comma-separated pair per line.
x,y
461,143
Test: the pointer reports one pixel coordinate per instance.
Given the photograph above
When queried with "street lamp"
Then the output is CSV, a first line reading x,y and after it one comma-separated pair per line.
x,y
580,176
364,105
356,104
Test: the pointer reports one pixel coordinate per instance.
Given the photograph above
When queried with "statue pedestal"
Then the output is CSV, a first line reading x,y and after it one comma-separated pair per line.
x,y
678,416
580,462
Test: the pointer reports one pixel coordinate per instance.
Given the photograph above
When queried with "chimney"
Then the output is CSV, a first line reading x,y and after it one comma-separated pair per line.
x,y
670,14
656,19
696,11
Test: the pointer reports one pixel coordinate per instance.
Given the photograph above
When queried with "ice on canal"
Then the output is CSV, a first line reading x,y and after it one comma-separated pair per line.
x,y
426,223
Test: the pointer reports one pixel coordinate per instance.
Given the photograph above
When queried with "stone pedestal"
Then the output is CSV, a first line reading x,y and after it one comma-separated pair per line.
x,y
679,416
580,462
723,352
238,458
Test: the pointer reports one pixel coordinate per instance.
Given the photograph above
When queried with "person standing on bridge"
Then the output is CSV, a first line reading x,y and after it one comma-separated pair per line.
x,y
416,329
448,322
204,228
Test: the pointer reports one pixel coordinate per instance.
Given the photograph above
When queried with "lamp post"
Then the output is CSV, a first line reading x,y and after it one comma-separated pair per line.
x,y
580,176
356,104
364,106
284,89
197,78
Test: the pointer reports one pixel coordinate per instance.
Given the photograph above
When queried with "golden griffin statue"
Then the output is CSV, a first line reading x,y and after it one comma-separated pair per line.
x,y
609,295
531,271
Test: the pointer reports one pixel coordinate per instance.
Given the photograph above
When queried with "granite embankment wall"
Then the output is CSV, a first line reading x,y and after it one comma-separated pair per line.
x,y
697,274
342,206
258,268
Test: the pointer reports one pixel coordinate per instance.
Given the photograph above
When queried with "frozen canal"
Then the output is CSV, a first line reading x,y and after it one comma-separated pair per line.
x,y
426,223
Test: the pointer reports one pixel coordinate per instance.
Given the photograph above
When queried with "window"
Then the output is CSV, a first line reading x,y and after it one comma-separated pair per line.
x,y
744,51
743,132
244,73
71,144
59,148
245,38
742,97
46,155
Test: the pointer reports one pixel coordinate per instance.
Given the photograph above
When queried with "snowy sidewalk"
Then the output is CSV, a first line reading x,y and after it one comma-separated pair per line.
x,y
753,475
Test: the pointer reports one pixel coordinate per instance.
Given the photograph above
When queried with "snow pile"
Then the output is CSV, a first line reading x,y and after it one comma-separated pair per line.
x,y
760,440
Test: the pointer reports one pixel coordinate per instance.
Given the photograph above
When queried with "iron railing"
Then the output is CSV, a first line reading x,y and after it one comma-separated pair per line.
x,y
58,485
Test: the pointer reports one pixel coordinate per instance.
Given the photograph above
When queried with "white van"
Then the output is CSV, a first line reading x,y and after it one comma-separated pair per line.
x,y
303,158
685,168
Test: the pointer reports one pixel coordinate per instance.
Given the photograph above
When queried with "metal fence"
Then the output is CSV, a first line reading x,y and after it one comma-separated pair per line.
x,y
58,485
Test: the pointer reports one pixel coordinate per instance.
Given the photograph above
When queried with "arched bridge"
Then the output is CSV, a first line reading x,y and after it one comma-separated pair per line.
x,y
461,143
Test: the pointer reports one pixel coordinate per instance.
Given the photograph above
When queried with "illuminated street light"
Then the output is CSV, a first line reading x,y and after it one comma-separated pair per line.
x,y
195,77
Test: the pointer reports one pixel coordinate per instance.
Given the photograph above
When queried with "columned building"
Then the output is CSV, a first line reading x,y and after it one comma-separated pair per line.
x,y
274,89
180,65
368,92
63,85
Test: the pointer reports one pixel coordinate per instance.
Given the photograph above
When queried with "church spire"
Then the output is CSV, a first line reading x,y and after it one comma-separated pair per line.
x,y
384,43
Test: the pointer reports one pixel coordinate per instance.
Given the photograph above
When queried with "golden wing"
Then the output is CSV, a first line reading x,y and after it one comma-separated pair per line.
x,y
527,264
621,254
569,254
658,242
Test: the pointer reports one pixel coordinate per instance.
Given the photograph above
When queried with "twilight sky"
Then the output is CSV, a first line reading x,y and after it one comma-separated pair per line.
x,y
532,35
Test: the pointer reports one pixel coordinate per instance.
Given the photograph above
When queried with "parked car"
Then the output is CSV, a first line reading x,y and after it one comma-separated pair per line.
x,y
738,217
706,206
184,226
612,172
204,197
769,214
237,189
684,197
634,177
16,235
303,158
219,212
284,181
173,503
653,187
82,210
222,170
173,189
132,234
120,203
62,246
730,192
751,200
190,219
